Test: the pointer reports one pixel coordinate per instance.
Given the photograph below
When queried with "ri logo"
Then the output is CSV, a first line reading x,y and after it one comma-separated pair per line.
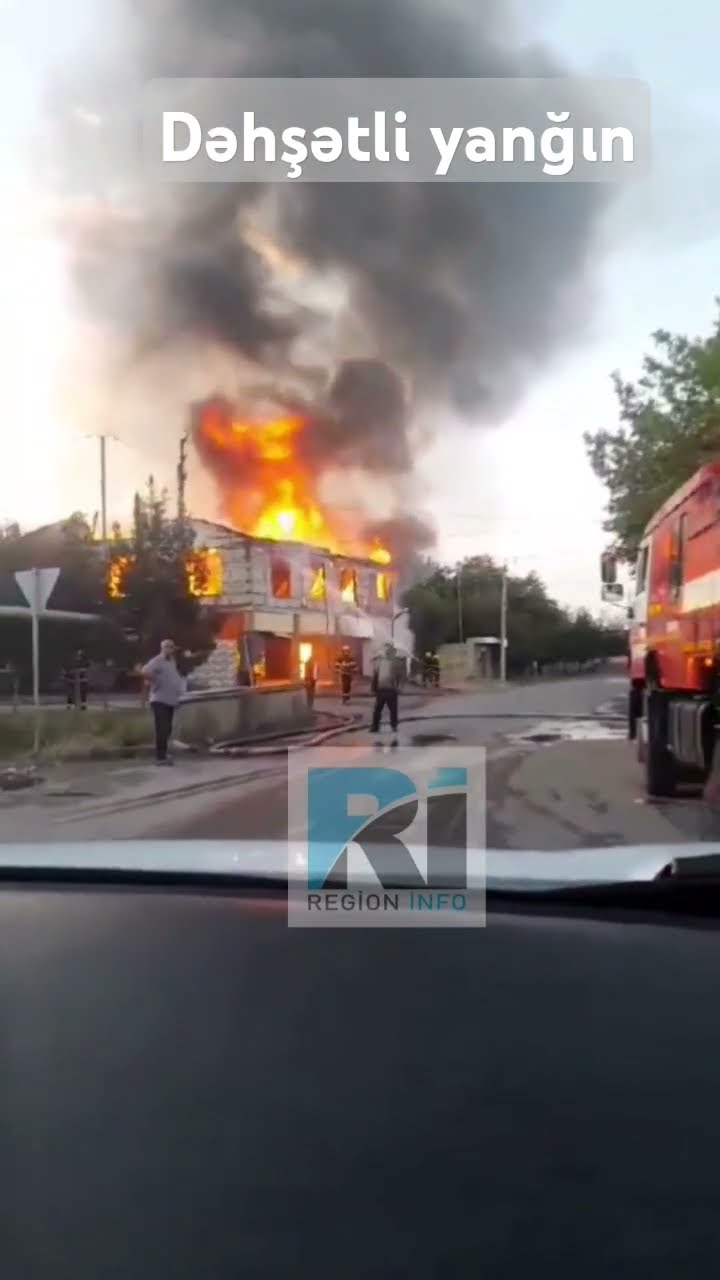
x,y
367,840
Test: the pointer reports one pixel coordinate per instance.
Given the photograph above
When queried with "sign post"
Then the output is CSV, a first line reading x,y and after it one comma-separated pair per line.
x,y
36,586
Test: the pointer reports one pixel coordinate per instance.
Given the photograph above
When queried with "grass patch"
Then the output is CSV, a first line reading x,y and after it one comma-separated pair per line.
x,y
67,735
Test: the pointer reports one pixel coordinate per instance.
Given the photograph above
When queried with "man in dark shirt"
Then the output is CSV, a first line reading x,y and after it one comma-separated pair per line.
x,y
385,686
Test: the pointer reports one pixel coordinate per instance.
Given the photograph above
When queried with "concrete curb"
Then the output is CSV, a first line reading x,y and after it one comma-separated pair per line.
x,y
146,751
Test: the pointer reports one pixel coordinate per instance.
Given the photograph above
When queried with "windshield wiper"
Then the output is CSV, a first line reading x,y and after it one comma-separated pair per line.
x,y
143,878
677,890
704,865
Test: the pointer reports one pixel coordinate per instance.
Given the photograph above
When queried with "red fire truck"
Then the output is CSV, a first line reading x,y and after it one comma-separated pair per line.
x,y
674,638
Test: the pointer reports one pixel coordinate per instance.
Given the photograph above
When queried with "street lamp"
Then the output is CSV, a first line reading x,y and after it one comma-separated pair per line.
x,y
395,617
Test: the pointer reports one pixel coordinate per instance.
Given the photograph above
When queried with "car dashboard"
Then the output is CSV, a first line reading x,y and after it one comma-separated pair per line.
x,y
188,1088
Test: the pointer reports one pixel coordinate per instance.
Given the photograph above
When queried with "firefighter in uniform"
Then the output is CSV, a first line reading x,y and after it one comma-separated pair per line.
x,y
435,669
345,668
76,681
310,680
431,669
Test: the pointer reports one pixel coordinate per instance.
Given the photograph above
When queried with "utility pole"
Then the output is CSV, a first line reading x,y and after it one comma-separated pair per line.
x,y
461,631
103,437
503,625
182,478
103,489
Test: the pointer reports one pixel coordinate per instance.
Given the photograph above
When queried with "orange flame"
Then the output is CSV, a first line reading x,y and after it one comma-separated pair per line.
x,y
305,655
318,588
204,571
269,488
379,554
348,586
205,574
117,571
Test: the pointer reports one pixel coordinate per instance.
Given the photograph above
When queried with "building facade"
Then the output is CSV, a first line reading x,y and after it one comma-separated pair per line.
x,y
282,603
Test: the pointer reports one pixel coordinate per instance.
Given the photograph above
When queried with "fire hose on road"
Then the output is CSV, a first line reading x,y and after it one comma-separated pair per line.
x,y
301,742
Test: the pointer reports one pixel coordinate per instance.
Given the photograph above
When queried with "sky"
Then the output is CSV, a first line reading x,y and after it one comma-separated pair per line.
x,y
524,491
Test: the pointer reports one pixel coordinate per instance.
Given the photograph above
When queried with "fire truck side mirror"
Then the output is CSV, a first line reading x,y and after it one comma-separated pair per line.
x,y
612,592
608,569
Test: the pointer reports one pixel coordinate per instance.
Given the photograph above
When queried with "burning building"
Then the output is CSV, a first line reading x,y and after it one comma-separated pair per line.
x,y
299,577
285,601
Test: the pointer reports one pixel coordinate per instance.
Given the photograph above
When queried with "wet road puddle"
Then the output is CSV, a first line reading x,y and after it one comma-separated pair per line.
x,y
551,731
670,802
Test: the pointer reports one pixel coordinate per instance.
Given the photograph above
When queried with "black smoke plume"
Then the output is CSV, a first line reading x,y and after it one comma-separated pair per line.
x,y
461,293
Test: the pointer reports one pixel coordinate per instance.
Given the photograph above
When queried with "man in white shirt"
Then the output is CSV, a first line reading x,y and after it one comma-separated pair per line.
x,y
385,685
166,689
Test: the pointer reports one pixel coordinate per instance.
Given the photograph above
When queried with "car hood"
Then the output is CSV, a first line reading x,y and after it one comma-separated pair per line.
x,y
497,868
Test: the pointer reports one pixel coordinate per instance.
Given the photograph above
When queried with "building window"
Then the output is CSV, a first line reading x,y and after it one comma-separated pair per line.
x,y
382,586
204,569
348,586
280,578
205,574
318,585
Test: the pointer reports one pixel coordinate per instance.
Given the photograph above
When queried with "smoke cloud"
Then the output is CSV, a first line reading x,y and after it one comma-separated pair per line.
x,y
408,535
452,295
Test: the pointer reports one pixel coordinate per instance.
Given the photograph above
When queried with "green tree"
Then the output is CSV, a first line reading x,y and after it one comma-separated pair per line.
x,y
78,530
155,601
539,630
68,546
669,426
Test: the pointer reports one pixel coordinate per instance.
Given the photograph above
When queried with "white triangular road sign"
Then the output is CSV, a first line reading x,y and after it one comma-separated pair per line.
x,y
36,585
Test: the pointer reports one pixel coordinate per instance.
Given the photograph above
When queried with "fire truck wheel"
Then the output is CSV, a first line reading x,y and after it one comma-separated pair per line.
x,y
659,764
641,747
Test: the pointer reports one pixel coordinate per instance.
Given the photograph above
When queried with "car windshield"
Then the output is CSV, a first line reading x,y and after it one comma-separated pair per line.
x,y
314,458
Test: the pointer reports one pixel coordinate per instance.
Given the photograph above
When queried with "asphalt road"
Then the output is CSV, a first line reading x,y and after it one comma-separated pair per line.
x,y
550,784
